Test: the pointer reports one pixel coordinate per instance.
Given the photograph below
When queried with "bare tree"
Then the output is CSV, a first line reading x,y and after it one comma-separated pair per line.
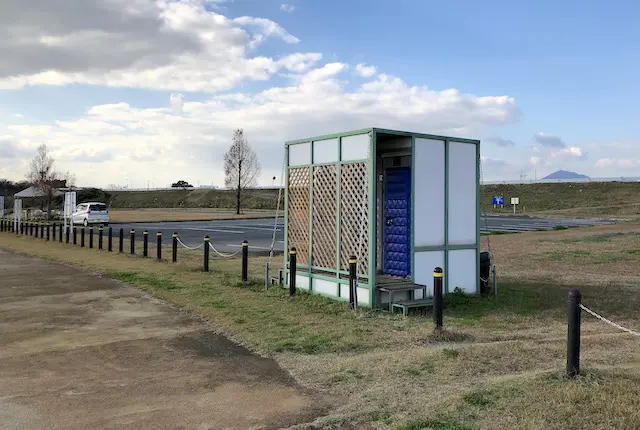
x,y
43,176
241,167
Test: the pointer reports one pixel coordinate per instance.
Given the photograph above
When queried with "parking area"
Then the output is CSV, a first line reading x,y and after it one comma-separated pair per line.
x,y
227,235
80,351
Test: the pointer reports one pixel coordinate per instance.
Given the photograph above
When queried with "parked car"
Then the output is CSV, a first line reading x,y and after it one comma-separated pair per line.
x,y
90,213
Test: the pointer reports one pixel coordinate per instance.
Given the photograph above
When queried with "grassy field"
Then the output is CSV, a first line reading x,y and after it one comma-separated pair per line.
x,y
195,198
595,199
157,215
499,365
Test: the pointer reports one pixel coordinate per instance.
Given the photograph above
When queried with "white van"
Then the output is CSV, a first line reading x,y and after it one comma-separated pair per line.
x,y
90,213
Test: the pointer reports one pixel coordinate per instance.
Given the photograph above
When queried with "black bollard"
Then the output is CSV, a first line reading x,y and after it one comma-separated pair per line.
x,y
206,254
438,299
145,243
245,261
48,232
132,241
159,245
31,227
573,337
121,245
91,237
60,229
66,234
53,227
174,248
22,227
75,236
292,272
81,237
110,240
100,230
352,282
42,231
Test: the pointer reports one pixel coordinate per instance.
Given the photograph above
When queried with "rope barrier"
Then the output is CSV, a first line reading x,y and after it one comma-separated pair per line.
x,y
601,318
224,255
189,247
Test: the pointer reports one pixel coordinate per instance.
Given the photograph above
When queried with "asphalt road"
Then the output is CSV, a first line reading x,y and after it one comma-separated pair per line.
x,y
224,235
227,235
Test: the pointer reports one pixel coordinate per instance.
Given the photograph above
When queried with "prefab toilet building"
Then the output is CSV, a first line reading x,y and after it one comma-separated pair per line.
x,y
403,203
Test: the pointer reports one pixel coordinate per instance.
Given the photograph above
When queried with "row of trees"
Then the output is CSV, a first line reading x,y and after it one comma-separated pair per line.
x,y
241,170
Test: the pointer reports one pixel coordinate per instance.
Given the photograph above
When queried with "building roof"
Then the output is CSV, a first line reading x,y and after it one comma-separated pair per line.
x,y
32,192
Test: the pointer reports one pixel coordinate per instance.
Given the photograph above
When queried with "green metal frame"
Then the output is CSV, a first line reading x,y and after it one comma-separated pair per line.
x,y
373,134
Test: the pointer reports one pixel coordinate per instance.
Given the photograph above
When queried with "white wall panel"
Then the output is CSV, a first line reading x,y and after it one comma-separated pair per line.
x,y
325,151
363,296
355,147
462,194
429,193
322,286
463,270
299,154
302,282
425,263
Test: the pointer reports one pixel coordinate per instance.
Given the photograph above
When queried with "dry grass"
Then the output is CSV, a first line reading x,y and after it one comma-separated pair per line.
x,y
158,215
500,369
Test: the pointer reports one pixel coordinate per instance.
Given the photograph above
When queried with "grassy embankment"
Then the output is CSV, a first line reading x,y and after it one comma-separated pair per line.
x,y
599,199
499,367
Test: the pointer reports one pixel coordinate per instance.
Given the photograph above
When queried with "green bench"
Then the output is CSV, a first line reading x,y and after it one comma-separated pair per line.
x,y
408,304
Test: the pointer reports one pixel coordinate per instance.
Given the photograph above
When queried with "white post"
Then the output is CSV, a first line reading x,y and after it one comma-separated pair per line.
x,y
69,207
17,214
1,206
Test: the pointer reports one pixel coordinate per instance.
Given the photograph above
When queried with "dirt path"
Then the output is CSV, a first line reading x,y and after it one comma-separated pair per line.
x,y
83,352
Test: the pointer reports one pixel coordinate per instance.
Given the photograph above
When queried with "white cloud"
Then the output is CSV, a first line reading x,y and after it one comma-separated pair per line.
x,y
504,143
289,8
570,152
160,144
177,102
365,71
549,141
535,161
183,46
618,163
172,45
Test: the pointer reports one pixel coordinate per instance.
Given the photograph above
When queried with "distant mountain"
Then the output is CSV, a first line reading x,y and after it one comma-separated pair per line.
x,y
563,174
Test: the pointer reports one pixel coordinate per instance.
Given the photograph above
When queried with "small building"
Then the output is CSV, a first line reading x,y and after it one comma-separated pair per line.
x,y
403,203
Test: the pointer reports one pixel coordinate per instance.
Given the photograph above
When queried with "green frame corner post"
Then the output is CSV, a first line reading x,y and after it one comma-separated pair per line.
x,y
285,266
338,213
372,218
478,216
310,245
412,221
446,216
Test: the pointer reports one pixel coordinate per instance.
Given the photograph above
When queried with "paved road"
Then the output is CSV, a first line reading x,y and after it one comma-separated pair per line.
x,y
227,235
522,224
95,354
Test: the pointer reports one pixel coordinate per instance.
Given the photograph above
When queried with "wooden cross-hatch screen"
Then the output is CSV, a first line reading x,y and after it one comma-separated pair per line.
x,y
298,213
324,214
354,215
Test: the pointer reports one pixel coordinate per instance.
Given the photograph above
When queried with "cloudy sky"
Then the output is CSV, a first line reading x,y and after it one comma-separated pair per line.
x,y
145,92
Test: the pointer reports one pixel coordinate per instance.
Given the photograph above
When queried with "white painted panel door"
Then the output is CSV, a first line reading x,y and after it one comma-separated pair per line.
x,y
425,263
428,216
462,271
463,221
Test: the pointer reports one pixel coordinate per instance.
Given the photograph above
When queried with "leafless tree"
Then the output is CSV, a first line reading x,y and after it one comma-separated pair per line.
x,y
241,167
43,177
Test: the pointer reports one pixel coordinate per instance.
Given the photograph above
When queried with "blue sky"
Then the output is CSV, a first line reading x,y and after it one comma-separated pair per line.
x,y
546,85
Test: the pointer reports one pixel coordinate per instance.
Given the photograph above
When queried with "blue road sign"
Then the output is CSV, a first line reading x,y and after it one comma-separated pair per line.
x,y
498,200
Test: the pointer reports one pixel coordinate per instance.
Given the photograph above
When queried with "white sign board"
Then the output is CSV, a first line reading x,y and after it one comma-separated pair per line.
x,y
17,214
1,206
515,201
69,207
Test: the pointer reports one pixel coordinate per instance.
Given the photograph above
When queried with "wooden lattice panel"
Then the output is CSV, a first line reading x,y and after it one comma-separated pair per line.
x,y
354,215
324,216
298,212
